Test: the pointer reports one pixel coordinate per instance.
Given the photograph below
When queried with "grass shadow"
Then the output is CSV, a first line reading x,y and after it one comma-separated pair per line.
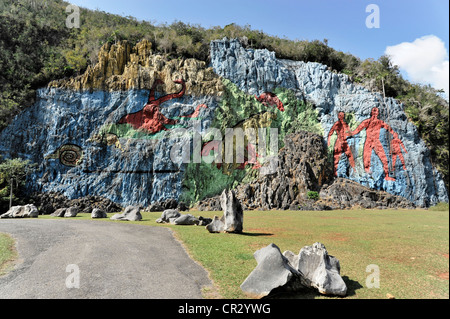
x,y
352,286
311,293
255,234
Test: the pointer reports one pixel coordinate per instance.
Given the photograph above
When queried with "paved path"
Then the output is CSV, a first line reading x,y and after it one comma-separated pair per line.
x,y
114,259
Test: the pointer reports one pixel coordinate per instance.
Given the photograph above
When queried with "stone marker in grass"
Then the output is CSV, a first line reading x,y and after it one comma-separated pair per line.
x,y
233,215
311,268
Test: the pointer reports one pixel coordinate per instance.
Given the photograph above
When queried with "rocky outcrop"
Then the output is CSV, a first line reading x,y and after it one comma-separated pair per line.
x,y
26,211
302,167
170,203
344,193
48,203
122,67
287,272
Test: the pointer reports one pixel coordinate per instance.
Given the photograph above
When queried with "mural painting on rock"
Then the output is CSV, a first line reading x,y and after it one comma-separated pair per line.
x,y
373,126
150,120
258,71
69,155
341,146
116,137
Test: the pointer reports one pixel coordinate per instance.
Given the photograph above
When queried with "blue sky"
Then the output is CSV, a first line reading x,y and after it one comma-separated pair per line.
x,y
342,22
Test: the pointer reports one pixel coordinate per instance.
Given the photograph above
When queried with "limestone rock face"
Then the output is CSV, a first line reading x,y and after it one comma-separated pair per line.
x,y
344,193
259,71
83,150
122,67
302,167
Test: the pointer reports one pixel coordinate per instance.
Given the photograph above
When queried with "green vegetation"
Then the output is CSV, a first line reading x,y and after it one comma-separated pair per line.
x,y
207,180
440,207
7,252
37,47
13,173
313,195
410,247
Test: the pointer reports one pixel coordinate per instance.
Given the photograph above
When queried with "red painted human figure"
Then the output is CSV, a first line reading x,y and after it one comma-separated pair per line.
x,y
397,146
150,118
270,99
373,126
341,146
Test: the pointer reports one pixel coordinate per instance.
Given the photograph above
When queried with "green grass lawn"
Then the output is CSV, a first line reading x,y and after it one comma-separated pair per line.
x,y
7,253
410,247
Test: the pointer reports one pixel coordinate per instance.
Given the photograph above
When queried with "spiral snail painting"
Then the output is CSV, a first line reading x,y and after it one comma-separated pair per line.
x,y
68,154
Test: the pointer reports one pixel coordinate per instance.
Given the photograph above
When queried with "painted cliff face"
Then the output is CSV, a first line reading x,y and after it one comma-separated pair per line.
x,y
118,143
372,144
379,149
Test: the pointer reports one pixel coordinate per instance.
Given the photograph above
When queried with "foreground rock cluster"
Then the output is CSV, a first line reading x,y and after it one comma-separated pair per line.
x,y
48,203
312,268
231,222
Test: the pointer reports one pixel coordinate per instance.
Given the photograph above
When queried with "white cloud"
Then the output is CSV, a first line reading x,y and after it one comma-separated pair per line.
x,y
425,60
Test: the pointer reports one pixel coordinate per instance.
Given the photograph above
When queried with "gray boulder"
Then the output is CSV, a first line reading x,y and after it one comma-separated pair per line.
x,y
204,221
98,213
186,219
233,215
27,211
131,213
321,270
216,225
311,268
71,212
59,212
168,214
273,271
